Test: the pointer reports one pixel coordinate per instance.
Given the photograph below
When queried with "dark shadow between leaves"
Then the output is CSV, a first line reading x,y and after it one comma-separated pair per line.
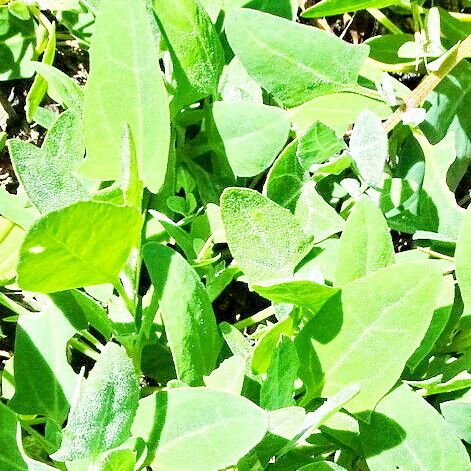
x,y
380,434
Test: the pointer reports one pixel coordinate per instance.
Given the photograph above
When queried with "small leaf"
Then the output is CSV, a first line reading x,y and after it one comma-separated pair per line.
x,y
251,144
194,44
18,46
44,380
317,217
365,245
317,145
337,7
47,173
369,147
405,432
458,415
10,456
39,87
278,387
225,425
102,416
315,62
228,376
264,238
64,249
60,87
190,324
303,293
286,178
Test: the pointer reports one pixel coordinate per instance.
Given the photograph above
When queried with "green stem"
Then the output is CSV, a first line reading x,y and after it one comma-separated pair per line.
x,y
124,296
255,319
430,82
12,305
434,254
83,348
379,16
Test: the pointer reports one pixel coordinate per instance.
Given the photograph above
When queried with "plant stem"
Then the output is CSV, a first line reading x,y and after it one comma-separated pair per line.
x,y
12,305
127,300
83,348
255,319
434,254
379,16
429,83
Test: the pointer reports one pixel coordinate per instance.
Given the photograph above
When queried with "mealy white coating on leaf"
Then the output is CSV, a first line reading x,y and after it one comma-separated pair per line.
x,y
265,239
47,173
369,147
102,417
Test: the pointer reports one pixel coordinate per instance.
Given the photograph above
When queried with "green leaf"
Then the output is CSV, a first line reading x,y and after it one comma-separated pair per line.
x,y
286,178
293,62
365,245
237,85
265,346
323,413
44,380
124,63
448,107
369,147
322,466
39,87
228,376
11,238
316,216
195,46
278,387
463,260
300,292
64,249
438,209
366,334
337,7
102,416
458,415
264,238
10,456
251,144
337,111
188,317
60,87
18,46
225,426
407,433
117,460
440,319
47,173
317,145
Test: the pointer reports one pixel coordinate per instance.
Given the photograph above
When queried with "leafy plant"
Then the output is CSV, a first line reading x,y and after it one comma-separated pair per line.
x,y
243,244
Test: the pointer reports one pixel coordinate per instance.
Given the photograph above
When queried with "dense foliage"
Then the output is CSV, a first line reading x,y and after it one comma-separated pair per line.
x,y
243,243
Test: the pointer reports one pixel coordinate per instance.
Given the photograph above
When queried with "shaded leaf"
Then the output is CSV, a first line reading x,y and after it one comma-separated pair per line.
x,y
188,317
101,417
407,433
